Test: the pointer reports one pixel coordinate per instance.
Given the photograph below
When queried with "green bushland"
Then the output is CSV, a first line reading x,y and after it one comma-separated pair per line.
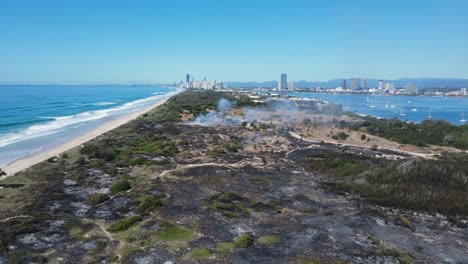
x,y
244,241
427,185
120,186
96,198
124,224
96,151
428,132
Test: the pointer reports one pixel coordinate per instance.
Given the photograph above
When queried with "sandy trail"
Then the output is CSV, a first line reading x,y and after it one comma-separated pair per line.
x,y
416,154
22,164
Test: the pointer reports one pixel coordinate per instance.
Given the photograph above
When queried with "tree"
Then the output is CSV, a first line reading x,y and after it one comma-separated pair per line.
x,y
2,173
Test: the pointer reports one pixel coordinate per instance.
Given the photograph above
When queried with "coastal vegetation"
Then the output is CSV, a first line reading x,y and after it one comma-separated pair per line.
x,y
433,186
428,132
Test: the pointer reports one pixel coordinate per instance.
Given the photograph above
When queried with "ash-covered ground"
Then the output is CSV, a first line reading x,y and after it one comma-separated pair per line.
x,y
185,192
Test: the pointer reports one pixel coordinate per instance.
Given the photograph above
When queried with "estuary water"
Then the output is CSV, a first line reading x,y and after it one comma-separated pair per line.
x,y
35,118
409,108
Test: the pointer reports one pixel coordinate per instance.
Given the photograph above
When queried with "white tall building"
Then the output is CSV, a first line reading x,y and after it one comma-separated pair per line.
x,y
463,92
290,86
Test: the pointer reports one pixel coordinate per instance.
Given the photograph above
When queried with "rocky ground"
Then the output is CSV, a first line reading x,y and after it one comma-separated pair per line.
x,y
228,195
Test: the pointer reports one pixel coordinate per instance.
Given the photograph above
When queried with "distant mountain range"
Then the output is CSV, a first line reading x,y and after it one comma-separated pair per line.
x,y
426,83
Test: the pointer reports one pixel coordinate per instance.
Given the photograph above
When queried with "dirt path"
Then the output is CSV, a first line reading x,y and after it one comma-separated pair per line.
x,y
416,154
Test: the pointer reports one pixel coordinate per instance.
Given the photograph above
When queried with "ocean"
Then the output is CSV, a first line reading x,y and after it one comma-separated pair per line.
x,y
37,118
414,108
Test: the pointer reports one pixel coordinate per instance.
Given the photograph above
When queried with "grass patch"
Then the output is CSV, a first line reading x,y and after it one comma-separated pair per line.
x,y
260,180
225,247
269,239
199,253
171,233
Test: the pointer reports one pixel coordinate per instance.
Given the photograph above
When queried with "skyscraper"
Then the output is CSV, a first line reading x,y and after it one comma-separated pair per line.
x,y
343,84
381,85
364,84
187,78
284,82
354,84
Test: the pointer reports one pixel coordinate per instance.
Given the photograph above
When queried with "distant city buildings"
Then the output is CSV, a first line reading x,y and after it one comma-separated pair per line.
x,y
190,82
283,85
410,89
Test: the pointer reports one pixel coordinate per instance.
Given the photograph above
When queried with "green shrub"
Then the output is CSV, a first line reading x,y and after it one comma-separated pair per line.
x,y
96,198
120,186
124,224
340,136
363,137
80,160
138,161
149,204
244,241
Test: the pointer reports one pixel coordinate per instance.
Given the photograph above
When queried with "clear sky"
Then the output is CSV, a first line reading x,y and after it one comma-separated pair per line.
x,y
98,41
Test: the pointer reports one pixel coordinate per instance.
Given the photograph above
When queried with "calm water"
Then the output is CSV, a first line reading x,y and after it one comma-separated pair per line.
x,y
415,108
34,118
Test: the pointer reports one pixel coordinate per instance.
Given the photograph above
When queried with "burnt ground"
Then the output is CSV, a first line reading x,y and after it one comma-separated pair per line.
x,y
212,193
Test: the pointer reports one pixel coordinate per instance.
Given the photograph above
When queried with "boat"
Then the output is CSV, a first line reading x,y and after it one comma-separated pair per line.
x,y
367,100
429,116
414,110
463,120
402,112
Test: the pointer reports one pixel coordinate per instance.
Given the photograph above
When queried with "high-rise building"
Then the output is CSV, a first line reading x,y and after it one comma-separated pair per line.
x,y
284,82
343,84
388,86
290,86
354,84
463,92
187,78
381,85
364,84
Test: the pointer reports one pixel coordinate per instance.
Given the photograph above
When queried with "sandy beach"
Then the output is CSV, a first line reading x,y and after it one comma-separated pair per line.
x,y
22,164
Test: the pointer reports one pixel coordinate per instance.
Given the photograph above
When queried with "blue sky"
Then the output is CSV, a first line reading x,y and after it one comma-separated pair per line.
x,y
81,42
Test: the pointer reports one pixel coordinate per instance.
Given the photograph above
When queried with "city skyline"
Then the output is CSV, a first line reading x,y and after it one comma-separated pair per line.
x,y
56,42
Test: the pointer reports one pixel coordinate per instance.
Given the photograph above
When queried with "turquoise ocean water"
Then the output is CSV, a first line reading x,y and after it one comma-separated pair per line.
x,y
35,118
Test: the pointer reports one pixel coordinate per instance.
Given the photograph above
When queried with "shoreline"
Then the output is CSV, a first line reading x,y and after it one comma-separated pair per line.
x,y
24,163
